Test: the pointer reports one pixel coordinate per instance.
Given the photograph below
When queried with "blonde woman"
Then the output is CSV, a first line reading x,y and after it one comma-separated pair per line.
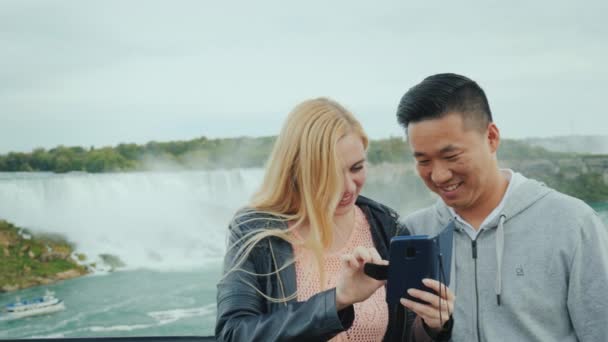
x,y
293,270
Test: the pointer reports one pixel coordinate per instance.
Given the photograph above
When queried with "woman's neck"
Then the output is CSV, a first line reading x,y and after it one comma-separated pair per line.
x,y
341,230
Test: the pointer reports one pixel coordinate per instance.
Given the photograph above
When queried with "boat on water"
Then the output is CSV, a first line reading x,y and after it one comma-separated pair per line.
x,y
21,308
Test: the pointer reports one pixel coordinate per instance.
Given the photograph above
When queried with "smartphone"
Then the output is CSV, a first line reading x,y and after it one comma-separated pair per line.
x,y
415,257
412,258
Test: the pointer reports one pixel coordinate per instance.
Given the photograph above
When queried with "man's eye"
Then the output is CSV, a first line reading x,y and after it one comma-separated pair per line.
x,y
452,157
423,162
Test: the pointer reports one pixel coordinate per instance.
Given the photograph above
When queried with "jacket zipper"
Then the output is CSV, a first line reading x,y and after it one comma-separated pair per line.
x,y
474,249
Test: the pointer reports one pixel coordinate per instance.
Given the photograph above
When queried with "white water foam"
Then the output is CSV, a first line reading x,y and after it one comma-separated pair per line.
x,y
156,220
119,328
170,316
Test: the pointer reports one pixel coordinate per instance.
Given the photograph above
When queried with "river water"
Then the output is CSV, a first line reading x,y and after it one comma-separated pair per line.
x,y
167,227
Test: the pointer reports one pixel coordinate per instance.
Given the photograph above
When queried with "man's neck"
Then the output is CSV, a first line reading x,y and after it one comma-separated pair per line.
x,y
487,202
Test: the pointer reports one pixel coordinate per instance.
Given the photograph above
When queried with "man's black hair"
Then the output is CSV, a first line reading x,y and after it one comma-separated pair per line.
x,y
442,94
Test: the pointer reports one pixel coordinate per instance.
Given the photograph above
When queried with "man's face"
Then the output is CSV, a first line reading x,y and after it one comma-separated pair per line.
x,y
456,163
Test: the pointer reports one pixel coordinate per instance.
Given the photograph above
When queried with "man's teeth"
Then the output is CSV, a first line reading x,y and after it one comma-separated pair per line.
x,y
451,187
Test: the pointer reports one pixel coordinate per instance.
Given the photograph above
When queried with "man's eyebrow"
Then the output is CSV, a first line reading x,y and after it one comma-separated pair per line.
x,y
449,148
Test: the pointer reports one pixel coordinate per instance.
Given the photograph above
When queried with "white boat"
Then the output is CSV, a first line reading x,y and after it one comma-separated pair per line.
x,y
32,307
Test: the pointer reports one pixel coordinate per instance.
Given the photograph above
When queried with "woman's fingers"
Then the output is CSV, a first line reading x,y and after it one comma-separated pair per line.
x,y
363,254
376,258
350,261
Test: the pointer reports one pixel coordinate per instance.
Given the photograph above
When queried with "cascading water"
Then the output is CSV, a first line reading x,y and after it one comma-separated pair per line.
x,y
155,220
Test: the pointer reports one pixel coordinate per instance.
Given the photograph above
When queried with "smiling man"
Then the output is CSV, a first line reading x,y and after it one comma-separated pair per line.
x,y
530,263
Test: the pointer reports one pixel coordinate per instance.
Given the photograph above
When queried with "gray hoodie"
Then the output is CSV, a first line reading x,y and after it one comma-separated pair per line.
x,y
538,272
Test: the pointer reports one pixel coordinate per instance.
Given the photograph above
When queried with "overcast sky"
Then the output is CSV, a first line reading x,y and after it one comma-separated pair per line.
x,y
105,72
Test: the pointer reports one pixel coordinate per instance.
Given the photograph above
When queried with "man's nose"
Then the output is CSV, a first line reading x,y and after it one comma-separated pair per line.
x,y
440,173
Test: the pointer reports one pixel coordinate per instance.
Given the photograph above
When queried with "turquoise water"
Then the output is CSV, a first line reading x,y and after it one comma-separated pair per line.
x,y
128,303
602,210
133,303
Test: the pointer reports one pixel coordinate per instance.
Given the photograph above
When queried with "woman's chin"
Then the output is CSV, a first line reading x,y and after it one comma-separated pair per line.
x,y
344,209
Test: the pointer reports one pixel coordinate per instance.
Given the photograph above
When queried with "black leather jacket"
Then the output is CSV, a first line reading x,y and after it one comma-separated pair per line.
x,y
244,314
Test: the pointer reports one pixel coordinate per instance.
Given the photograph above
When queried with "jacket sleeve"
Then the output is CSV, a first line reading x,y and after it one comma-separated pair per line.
x,y
588,281
242,313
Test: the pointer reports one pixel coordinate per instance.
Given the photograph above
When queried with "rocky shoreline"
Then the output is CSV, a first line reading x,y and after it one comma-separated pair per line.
x,y
27,261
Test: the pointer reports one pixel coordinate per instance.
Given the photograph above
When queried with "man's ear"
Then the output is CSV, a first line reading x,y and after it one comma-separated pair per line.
x,y
493,136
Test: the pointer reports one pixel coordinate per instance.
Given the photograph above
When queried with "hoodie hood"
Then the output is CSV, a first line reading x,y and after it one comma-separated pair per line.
x,y
522,197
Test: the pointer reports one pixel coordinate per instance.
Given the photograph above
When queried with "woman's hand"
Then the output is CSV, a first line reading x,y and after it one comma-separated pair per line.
x,y
353,285
433,314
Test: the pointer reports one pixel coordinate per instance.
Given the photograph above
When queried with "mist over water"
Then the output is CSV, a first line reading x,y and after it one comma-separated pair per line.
x,y
155,220
169,220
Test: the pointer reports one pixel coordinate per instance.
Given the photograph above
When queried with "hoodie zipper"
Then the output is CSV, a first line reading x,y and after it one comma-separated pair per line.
x,y
474,249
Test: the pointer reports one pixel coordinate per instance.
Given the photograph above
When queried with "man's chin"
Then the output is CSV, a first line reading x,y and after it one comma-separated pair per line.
x,y
451,202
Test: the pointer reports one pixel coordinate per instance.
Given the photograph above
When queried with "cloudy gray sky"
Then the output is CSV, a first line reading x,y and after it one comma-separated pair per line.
x,y
104,72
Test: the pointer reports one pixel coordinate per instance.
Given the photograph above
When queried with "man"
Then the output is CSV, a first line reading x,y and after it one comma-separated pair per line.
x,y
529,263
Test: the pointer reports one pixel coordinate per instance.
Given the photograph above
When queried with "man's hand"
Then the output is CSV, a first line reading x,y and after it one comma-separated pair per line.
x,y
433,314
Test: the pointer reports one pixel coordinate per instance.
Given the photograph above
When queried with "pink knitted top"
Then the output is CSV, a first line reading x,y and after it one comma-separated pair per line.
x,y
371,315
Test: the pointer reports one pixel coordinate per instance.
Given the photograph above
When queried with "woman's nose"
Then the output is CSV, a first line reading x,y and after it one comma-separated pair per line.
x,y
349,184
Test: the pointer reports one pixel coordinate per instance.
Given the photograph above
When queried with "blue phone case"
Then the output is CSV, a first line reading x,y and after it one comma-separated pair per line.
x,y
415,257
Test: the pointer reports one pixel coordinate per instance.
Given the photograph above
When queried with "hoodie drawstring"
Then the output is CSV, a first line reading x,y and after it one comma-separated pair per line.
x,y
500,245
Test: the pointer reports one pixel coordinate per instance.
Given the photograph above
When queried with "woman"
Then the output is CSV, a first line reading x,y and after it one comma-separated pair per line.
x,y
293,270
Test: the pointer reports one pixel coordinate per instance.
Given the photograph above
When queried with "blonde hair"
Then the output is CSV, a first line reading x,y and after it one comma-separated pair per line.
x,y
303,182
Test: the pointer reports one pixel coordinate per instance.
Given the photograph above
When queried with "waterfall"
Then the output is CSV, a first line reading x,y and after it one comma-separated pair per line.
x,y
166,220
157,220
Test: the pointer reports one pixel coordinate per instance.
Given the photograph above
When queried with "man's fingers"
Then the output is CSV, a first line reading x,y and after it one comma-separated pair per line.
x,y
433,299
439,288
428,297
431,316
425,311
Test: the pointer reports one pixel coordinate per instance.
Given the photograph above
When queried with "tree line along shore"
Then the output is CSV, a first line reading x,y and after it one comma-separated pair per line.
x,y
581,175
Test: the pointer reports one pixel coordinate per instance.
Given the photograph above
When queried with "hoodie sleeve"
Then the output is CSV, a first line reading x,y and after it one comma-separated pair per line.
x,y
588,281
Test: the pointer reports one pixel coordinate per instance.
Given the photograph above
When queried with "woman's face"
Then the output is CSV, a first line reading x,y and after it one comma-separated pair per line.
x,y
351,152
